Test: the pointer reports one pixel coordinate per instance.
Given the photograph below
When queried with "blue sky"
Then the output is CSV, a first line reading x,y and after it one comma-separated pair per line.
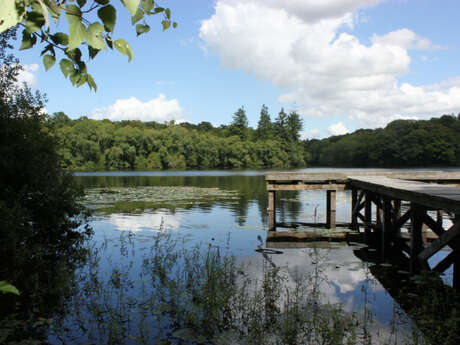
x,y
342,64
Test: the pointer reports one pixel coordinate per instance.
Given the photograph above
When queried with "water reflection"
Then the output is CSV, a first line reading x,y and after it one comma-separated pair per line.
x,y
292,206
45,277
159,221
238,221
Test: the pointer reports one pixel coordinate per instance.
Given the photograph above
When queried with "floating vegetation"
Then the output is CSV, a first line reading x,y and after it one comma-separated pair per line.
x,y
137,199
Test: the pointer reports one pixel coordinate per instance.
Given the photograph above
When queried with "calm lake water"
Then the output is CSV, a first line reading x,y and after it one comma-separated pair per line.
x,y
227,209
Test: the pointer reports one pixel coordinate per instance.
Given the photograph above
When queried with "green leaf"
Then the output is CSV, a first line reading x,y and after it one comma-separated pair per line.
x,y
82,80
166,24
48,48
174,25
92,52
66,67
147,5
109,42
91,83
123,47
168,13
74,54
108,15
158,9
75,76
28,40
9,15
44,13
141,28
138,16
77,34
82,67
48,61
54,10
76,29
73,14
8,288
94,36
81,3
60,38
131,6
102,2
34,19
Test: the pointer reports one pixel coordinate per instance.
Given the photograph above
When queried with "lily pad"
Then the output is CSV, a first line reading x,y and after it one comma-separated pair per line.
x,y
137,199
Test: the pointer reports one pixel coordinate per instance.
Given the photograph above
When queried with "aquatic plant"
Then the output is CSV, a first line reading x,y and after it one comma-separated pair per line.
x,y
129,199
200,295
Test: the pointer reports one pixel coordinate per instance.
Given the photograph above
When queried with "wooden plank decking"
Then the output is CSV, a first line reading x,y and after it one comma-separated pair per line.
x,y
430,195
342,177
383,192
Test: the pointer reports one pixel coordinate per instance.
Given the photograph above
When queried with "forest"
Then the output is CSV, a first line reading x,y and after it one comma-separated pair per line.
x,y
86,144
402,143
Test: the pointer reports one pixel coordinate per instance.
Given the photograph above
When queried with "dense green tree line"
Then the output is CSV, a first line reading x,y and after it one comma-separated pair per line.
x,y
41,241
87,144
402,143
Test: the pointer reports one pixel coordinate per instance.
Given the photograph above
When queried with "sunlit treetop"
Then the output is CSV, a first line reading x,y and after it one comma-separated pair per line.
x,y
87,33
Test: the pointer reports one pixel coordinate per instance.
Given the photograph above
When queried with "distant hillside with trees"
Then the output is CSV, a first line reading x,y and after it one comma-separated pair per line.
x,y
86,144
402,143
104,145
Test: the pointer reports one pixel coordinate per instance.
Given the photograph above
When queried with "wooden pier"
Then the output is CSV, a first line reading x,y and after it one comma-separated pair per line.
x,y
376,212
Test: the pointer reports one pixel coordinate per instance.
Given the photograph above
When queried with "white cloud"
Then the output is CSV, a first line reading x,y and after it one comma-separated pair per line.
x,y
157,109
310,10
28,75
300,46
313,134
338,128
406,39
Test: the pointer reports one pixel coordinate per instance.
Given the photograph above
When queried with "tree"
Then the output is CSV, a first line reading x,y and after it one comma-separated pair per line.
x,y
39,211
239,125
58,119
294,126
34,17
280,124
264,126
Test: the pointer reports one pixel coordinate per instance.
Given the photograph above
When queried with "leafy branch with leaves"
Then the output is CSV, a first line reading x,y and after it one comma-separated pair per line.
x,y
34,17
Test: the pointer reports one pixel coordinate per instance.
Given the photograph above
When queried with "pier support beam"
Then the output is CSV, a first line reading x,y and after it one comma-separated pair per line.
x,y
456,254
387,226
354,200
367,216
416,243
330,209
271,211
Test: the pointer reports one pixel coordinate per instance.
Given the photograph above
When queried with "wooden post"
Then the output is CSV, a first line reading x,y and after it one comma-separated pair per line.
x,y
415,236
386,226
354,200
271,211
396,211
367,216
456,265
330,209
378,212
439,214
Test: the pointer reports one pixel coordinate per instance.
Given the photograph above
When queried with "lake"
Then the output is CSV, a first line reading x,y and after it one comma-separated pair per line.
x,y
224,211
